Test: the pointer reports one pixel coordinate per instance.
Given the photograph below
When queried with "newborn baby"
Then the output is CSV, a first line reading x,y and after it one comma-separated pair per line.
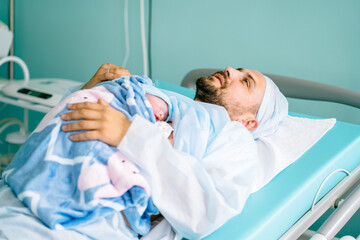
x,y
161,105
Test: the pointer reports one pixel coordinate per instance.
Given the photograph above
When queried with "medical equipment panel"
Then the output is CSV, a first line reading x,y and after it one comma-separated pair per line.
x,y
46,91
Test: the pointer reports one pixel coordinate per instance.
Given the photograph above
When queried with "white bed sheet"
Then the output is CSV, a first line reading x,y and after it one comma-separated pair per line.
x,y
17,222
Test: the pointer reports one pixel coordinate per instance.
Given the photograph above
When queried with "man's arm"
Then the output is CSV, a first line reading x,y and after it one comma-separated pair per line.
x,y
99,117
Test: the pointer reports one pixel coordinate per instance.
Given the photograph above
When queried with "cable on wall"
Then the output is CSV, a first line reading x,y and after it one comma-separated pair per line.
x,y
143,39
126,29
11,27
149,38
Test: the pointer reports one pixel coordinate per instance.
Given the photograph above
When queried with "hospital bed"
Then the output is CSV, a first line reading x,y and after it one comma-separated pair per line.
x,y
287,206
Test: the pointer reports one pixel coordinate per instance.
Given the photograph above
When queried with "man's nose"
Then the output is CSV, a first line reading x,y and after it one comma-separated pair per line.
x,y
230,72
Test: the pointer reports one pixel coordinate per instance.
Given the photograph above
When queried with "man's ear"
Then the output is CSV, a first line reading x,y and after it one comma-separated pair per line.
x,y
250,123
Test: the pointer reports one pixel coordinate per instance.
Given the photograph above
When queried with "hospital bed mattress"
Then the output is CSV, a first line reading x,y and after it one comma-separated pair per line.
x,y
271,211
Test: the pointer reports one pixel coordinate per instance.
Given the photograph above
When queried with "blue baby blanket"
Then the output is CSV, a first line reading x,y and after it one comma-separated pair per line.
x,y
67,184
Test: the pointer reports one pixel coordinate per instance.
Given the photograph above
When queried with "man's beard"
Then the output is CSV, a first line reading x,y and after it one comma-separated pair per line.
x,y
206,92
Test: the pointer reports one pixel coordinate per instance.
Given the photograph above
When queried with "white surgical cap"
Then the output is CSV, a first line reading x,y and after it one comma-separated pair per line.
x,y
272,110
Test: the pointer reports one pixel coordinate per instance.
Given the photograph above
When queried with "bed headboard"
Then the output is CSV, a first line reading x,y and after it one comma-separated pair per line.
x,y
291,87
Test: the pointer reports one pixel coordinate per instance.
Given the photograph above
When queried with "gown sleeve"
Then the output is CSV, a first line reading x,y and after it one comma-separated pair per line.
x,y
196,196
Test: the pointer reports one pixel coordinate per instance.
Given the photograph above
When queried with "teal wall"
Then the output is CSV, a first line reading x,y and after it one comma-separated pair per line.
x,y
314,40
71,39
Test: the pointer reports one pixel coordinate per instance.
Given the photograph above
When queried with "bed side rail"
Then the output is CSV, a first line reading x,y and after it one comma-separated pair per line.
x,y
340,216
291,87
341,191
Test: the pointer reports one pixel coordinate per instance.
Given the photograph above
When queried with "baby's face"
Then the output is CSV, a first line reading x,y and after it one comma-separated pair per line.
x,y
159,106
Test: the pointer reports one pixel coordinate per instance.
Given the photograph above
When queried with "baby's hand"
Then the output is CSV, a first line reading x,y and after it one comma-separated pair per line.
x,y
167,130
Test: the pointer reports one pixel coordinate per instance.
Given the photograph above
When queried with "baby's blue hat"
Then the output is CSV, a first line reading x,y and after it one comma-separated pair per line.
x,y
150,89
272,110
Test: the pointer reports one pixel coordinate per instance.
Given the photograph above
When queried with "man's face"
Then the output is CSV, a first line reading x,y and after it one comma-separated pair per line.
x,y
240,91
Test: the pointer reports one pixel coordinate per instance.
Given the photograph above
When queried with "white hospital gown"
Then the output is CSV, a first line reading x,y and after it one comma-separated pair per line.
x,y
195,193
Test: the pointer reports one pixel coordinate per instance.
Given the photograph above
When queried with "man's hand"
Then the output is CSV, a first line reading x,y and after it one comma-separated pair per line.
x,y
106,72
99,120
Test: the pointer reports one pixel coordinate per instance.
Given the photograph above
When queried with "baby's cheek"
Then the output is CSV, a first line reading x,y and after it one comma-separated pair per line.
x,y
165,110
166,114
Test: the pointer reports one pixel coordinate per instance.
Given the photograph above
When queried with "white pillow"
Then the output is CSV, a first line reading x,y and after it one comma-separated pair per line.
x,y
294,137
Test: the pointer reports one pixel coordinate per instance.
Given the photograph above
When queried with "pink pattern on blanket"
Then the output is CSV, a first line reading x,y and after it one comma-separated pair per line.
x,y
118,176
87,95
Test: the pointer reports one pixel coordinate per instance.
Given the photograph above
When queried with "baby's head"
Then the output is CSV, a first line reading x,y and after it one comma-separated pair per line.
x,y
159,101
159,106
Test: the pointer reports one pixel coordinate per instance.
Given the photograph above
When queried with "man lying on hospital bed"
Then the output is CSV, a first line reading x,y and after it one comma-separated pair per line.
x,y
212,187
208,191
